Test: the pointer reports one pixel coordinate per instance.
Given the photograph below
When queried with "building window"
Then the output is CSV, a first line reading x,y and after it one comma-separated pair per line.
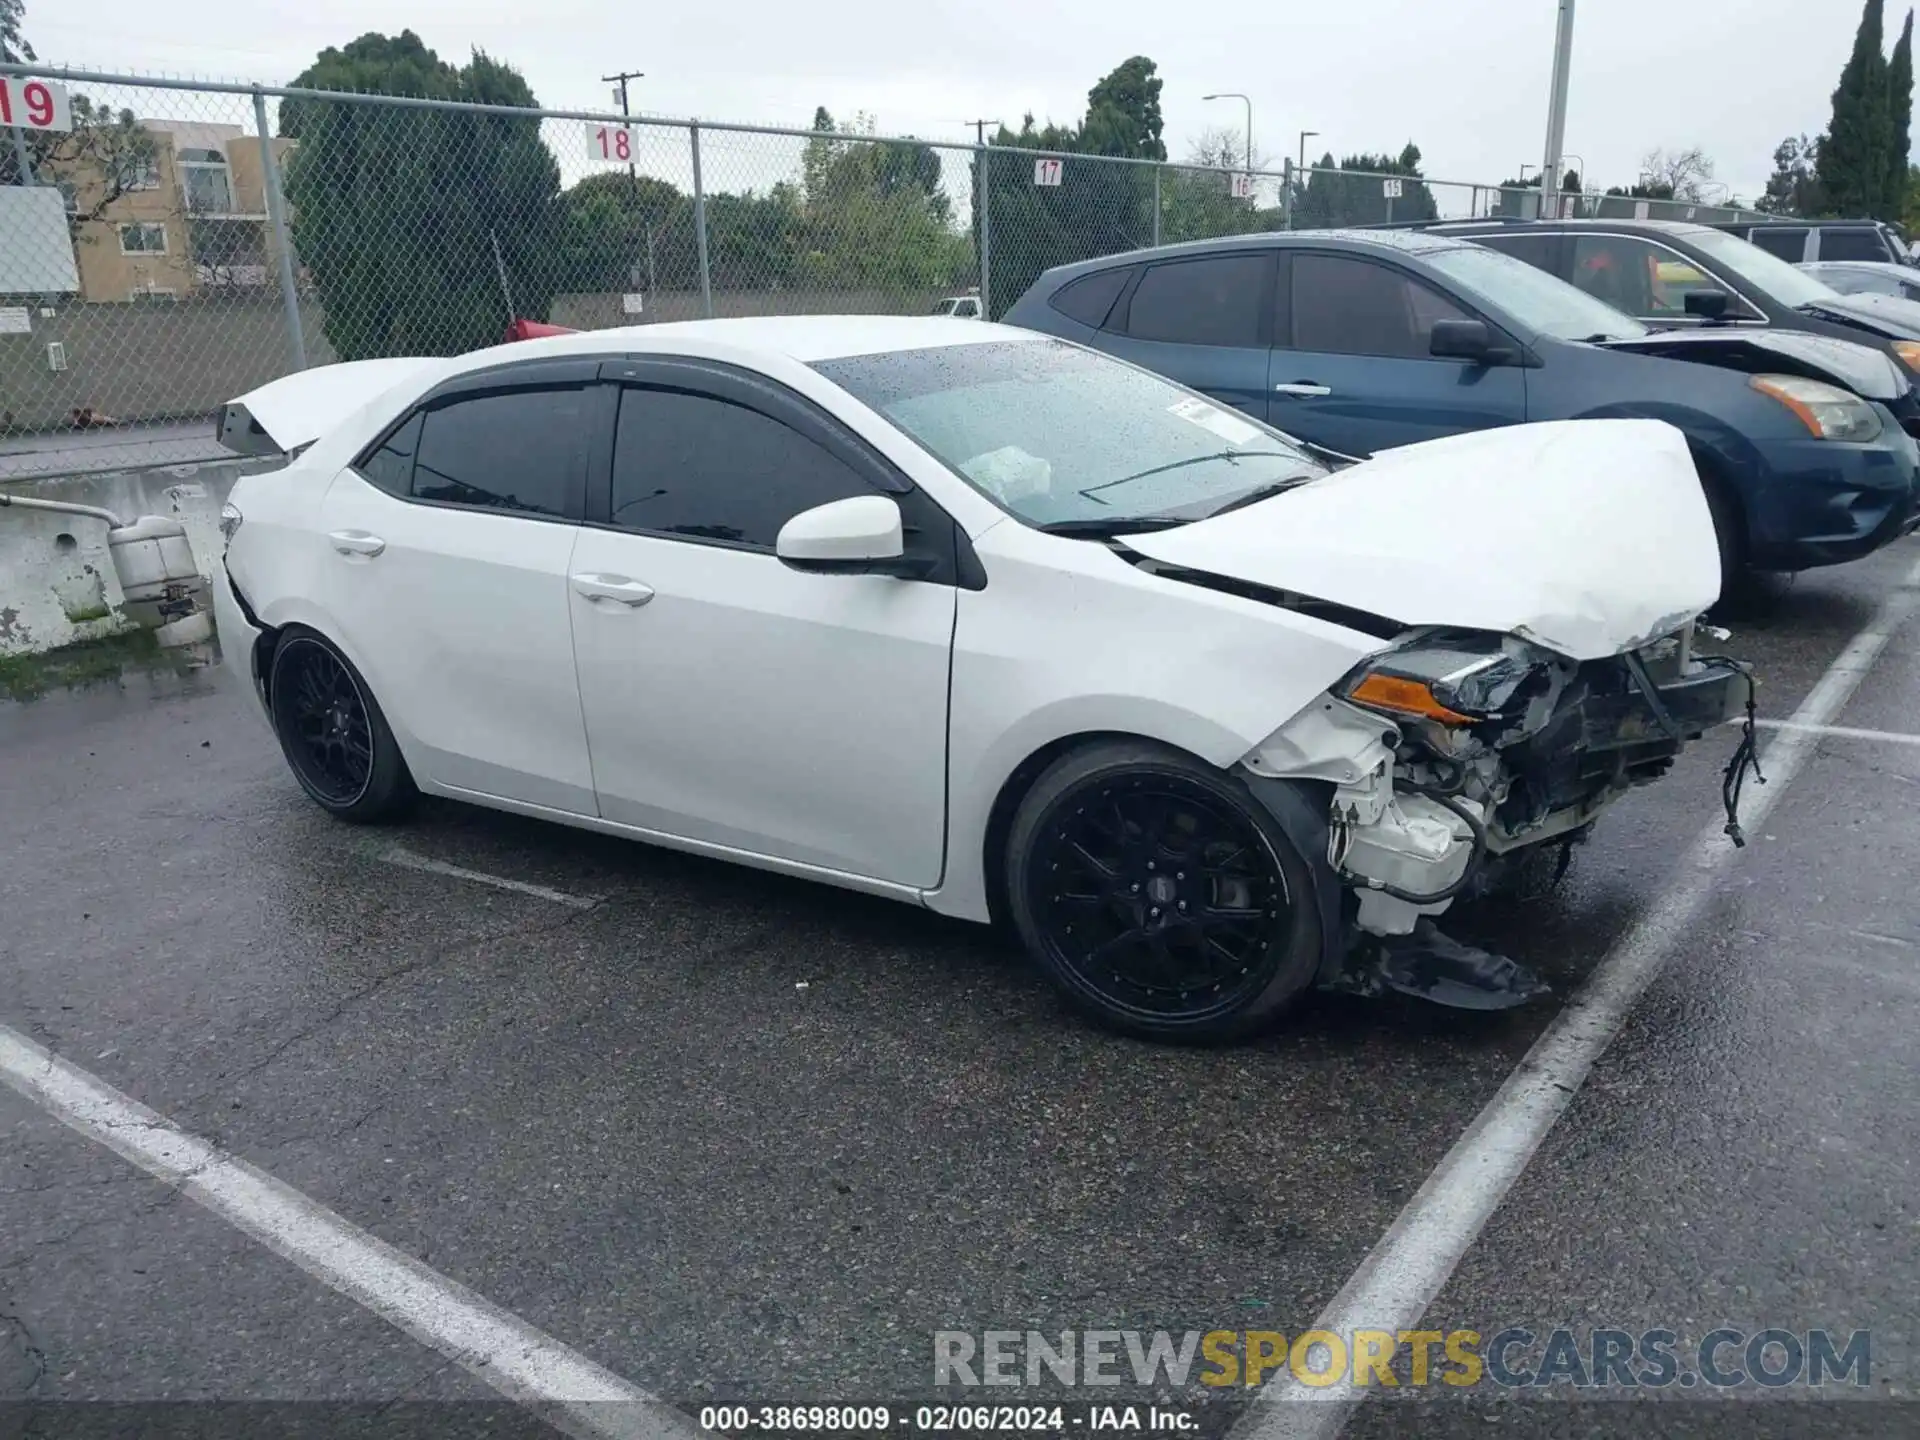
x,y
208,184
142,173
144,239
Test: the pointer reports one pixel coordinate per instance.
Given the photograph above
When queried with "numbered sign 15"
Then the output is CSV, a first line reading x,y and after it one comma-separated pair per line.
x,y
1046,170
1391,189
1241,187
34,104
612,144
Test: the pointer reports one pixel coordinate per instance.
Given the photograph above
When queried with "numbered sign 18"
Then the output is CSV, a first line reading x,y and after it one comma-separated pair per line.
x,y
1390,188
1241,187
34,104
612,144
1046,170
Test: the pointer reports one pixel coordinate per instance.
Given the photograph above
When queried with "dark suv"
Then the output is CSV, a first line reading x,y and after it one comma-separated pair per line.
x,y
1362,340
1800,241
1674,275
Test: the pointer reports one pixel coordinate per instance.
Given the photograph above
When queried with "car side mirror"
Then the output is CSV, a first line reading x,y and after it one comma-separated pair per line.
x,y
1466,340
861,535
1708,305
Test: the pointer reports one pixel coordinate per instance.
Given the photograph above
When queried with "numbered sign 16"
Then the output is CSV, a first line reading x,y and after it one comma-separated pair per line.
x,y
34,104
1241,187
1390,188
611,144
1046,170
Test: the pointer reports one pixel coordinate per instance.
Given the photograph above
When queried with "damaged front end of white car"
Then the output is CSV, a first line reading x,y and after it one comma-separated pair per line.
x,y
1458,761
1543,656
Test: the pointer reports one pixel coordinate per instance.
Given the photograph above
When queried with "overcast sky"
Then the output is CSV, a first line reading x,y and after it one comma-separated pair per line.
x,y
1465,79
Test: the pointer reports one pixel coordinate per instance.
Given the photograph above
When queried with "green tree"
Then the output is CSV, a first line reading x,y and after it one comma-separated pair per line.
x,y
1198,203
1123,113
406,217
623,232
1099,207
1353,192
873,214
1794,186
13,46
1899,122
1854,152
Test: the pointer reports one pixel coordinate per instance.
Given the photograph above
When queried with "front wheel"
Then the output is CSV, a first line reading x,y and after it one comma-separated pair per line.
x,y
1160,896
332,732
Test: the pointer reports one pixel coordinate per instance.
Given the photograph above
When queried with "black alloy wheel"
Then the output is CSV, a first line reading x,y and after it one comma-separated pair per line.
x,y
332,733
1158,895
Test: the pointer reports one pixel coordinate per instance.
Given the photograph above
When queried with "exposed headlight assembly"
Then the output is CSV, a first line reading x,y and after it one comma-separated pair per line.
x,y
1451,681
1828,411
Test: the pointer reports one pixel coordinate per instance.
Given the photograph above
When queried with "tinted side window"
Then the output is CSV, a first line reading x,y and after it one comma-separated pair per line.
x,y
1353,307
521,450
1089,298
1215,301
1537,250
1636,276
709,469
1852,245
391,466
1787,244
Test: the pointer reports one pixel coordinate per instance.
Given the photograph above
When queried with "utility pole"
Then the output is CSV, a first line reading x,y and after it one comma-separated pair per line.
x,y
1557,113
633,174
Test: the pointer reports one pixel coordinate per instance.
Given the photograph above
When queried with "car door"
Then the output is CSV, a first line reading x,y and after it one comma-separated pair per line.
x,y
1202,322
729,698
448,547
1351,367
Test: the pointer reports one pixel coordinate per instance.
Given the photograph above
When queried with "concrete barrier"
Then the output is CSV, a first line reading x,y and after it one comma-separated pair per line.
x,y
56,581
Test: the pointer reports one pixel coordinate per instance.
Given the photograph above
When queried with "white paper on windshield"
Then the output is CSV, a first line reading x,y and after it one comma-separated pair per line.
x,y
1228,426
1010,473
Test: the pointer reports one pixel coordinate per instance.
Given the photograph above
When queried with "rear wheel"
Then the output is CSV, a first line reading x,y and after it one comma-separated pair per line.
x,y
332,732
1159,895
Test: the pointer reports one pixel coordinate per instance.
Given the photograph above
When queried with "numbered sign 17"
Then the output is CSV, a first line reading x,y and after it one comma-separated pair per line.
x,y
1241,187
612,144
34,104
1046,170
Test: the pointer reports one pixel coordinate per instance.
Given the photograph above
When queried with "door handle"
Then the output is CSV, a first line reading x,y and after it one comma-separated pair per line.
x,y
356,542
1302,389
616,588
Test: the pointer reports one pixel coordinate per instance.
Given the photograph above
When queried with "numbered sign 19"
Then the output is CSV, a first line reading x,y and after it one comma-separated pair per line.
x,y
1046,170
1240,187
34,104
611,144
1390,188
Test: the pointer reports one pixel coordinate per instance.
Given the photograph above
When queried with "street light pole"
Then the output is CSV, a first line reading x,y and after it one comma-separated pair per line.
x,y
1236,95
1557,112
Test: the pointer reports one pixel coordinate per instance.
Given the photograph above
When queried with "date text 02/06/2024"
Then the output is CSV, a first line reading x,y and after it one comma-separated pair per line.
x,y
943,1419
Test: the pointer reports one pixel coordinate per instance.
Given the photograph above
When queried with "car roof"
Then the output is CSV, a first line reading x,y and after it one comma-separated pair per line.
x,y
1406,242
1891,266
803,338
1657,227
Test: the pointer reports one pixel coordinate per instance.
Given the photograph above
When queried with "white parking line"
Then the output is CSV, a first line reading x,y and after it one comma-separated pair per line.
x,y
556,1382
407,860
1404,1272
1841,732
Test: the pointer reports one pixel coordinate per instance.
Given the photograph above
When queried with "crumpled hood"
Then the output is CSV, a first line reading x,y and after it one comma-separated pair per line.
x,y
1863,368
1589,537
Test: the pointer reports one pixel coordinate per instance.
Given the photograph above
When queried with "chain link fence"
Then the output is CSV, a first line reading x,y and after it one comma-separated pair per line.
x,y
180,243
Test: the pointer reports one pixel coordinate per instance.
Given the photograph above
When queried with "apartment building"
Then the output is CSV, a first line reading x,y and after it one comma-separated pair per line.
x,y
189,219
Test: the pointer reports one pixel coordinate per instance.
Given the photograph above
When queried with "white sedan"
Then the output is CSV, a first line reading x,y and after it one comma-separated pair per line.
x,y
979,620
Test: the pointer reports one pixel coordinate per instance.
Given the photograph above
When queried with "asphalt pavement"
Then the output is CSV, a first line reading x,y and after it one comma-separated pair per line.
x,y
740,1139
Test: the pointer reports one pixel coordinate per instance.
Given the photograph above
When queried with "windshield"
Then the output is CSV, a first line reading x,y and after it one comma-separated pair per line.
x,y
1057,435
1773,277
1545,303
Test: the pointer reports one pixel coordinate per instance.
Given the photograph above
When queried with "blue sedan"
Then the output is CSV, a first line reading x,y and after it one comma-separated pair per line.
x,y
1358,341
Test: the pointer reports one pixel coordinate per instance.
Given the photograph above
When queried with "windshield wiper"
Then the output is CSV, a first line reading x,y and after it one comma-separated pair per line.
x,y
1107,527
1191,460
